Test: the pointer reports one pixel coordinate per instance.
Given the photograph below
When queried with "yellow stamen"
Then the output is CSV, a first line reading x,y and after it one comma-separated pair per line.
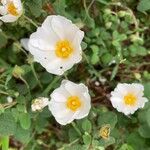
x,y
63,49
12,9
130,99
73,103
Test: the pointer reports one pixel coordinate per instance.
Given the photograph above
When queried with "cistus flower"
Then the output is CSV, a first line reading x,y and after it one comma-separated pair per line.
x,y
70,101
127,98
39,103
10,10
56,45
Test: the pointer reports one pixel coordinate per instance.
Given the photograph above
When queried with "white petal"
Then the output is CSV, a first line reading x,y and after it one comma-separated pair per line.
x,y
59,24
60,112
8,18
47,26
138,89
3,10
24,43
4,2
60,95
122,88
43,40
75,89
65,120
18,5
142,101
78,38
58,109
43,57
59,66
84,111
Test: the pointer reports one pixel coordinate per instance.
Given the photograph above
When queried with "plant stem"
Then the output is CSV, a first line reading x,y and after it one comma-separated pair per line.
x,y
95,72
2,92
27,85
5,143
76,128
73,142
31,21
49,87
35,75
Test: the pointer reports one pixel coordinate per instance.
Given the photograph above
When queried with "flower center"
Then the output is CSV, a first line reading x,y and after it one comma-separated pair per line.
x,y
130,99
12,9
73,103
63,49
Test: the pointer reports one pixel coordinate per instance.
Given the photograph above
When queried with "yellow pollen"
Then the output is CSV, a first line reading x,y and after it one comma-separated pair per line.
x,y
73,103
130,99
63,49
12,9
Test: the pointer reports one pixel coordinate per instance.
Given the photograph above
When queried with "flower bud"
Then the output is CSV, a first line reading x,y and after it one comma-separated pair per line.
x,y
136,38
30,59
121,13
39,103
105,131
107,11
108,25
137,76
18,71
9,99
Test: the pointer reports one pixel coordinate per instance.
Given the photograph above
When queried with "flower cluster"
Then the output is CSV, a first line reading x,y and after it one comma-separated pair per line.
x,y
56,45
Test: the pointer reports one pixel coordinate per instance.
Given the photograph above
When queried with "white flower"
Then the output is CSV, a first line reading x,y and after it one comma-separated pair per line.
x,y
56,45
127,98
9,99
39,103
10,10
70,101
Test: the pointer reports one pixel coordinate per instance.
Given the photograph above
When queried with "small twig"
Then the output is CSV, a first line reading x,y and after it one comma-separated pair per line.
x,y
50,86
31,21
35,75
91,66
70,144
131,13
76,128
9,105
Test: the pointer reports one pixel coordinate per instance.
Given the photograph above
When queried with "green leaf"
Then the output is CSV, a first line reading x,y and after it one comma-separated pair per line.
x,y
22,135
25,120
7,124
147,89
87,138
95,56
114,72
144,131
35,6
107,142
106,58
86,125
83,45
143,5
73,135
135,140
5,142
3,39
148,116
60,6
107,118
126,147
